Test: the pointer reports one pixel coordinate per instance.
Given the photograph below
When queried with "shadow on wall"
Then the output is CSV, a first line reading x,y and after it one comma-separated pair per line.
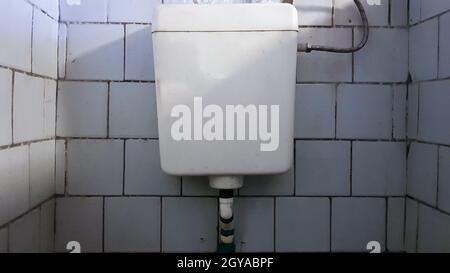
x,y
96,54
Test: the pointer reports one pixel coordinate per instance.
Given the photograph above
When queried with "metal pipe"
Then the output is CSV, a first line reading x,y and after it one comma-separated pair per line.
x,y
305,47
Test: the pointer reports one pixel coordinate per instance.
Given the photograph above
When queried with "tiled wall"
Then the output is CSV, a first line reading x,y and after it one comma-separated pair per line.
x,y
28,82
350,130
370,154
349,180
428,204
108,136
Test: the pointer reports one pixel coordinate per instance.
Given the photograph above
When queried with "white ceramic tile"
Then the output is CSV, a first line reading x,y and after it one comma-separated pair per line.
x,y
15,34
45,45
135,11
139,53
5,107
95,167
95,52
28,111
132,224
82,109
14,183
84,11
79,219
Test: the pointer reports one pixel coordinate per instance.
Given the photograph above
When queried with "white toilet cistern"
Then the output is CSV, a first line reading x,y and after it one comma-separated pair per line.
x,y
225,83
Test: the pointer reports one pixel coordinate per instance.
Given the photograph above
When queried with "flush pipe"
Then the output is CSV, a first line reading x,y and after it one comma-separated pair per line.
x,y
226,185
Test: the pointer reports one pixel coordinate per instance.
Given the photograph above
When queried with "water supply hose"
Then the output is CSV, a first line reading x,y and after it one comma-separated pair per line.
x,y
305,47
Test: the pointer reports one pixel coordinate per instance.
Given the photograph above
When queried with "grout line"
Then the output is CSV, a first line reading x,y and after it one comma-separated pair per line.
x,y
351,82
103,224
293,166
54,166
160,224
437,175
29,175
32,38
333,10
104,23
417,225
242,196
124,51
390,13
429,18
13,74
108,109
351,168
66,57
28,73
331,223
438,47
430,143
124,166
297,83
386,219
351,26
353,56
14,145
59,12
420,10
408,15
407,114
405,200
66,169
407,129
428,205
105,81
58,72
42,10
334,25
54,223
419,87
335,109
181,185
107,12
104,138
26,212
392,111
296,139
408,84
